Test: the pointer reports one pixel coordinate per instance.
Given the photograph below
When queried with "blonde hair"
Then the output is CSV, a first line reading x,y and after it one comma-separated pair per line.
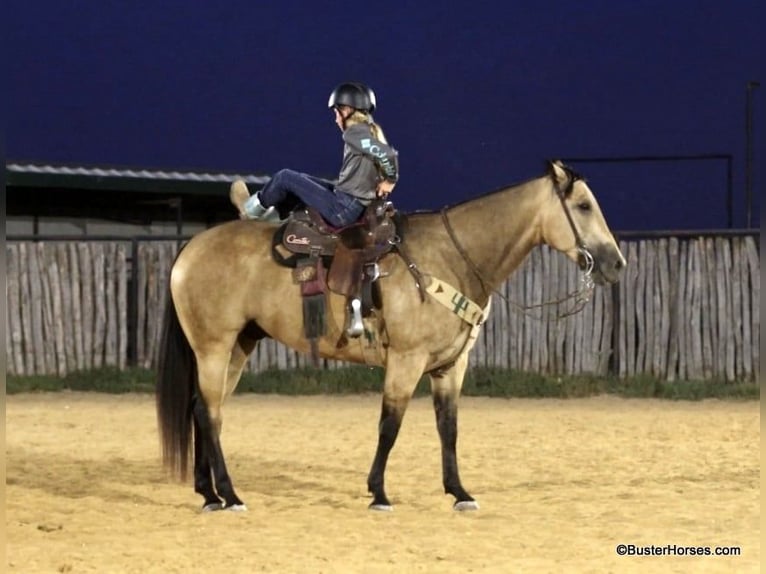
x,y
359,117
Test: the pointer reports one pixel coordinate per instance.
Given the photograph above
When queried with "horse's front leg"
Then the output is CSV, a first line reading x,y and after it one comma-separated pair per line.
x,y
445,387
402,375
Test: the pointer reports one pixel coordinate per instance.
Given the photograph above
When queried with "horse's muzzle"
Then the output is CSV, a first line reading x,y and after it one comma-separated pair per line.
x,y
608,264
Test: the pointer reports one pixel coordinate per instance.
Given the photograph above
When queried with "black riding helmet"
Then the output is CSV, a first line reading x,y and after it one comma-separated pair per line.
x,y
354,95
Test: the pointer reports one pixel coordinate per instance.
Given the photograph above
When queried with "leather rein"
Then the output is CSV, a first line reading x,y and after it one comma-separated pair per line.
x,y
580,297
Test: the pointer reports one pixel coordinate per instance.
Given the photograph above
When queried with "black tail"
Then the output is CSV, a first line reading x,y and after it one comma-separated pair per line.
x,y
176,387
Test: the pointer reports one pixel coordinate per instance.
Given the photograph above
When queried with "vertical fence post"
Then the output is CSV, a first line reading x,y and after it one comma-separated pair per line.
x,y
613,366
133,305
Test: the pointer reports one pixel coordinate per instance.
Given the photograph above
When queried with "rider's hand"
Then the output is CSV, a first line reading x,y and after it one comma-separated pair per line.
x,y
385,187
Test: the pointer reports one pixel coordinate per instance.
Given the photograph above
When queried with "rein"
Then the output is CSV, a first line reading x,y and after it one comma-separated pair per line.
x,y
580,297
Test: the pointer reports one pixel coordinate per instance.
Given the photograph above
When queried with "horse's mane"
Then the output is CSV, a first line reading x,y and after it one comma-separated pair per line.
x,y
548,173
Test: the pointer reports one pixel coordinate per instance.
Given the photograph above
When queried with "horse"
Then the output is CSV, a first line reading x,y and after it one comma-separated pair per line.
x,y
226,293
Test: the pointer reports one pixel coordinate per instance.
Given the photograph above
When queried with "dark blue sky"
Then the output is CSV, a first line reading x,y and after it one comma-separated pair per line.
x,y
474,95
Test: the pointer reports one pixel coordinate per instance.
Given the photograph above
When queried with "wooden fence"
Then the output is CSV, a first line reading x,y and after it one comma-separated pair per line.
x,y
691,309
686,309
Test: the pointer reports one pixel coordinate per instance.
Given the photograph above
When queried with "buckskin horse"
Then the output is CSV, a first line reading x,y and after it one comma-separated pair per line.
x,y
227,293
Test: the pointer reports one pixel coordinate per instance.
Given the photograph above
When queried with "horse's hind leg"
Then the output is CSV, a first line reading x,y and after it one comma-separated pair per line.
x,y
203,474
402,376
204,454
445,387
219,374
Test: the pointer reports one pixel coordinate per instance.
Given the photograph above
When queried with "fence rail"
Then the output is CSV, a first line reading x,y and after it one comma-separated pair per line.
x,y
687,308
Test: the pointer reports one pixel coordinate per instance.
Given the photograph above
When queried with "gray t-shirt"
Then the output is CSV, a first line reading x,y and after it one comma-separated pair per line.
x,y
366,162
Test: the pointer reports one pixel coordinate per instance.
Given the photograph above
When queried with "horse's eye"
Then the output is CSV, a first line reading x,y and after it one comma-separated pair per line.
x,y
583,206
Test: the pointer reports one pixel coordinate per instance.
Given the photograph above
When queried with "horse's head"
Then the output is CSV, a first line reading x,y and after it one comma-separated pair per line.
x,y
573,223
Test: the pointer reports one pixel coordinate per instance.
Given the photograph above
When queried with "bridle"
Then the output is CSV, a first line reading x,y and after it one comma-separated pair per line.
x,y
580,297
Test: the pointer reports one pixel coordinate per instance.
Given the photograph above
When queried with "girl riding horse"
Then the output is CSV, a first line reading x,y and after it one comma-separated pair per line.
x,y
370,169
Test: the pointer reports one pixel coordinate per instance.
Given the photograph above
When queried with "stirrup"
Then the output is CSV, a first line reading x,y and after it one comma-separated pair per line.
x,y
355,327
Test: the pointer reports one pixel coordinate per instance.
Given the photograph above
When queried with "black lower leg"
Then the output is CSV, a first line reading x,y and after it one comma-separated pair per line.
x,y
445,408
210,464
223,482
203,478
388,429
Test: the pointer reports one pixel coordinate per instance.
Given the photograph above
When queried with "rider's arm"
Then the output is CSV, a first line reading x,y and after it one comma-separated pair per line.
x,y
359,138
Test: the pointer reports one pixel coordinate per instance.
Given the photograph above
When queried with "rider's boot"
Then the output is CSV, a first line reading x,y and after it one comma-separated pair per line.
x,y
249,206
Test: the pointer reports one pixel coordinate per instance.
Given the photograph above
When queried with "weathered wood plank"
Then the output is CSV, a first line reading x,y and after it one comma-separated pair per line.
x,y
514,322
606,356
65,273
631,310
709,317
622,330
49,334
582,330
36,305
535,298
88,301
526,343
10,368
99,299
141,277
76,293
162,259
725,310
675,310
599,348
662,327
56,307
696,310
683,310
736,305
546,315
650,303
566,323
746,357
640,306
110,300
15,329
122,304
25,302
753,259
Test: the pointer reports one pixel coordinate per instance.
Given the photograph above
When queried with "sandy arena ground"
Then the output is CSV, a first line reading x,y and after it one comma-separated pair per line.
x,y
560,484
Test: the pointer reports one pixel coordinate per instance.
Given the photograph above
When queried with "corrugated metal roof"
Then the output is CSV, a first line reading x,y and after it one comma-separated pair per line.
x,y
144,174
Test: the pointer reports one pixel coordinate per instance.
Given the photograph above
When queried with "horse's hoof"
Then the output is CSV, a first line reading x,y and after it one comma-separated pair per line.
x,y
464,505
236,508
381,507
212,507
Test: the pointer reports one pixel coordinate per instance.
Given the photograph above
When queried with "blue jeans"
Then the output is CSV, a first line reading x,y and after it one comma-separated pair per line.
x,y
286,186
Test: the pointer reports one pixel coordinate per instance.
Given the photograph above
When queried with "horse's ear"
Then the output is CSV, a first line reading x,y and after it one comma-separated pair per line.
x,y
557,171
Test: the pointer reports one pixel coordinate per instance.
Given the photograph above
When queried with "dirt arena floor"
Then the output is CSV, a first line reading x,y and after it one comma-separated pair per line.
x,y
560,484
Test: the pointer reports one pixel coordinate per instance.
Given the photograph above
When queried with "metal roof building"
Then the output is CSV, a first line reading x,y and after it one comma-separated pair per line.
x,y
46,199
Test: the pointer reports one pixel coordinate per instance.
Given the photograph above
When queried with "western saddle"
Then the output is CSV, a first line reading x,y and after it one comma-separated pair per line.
x,y
310,245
